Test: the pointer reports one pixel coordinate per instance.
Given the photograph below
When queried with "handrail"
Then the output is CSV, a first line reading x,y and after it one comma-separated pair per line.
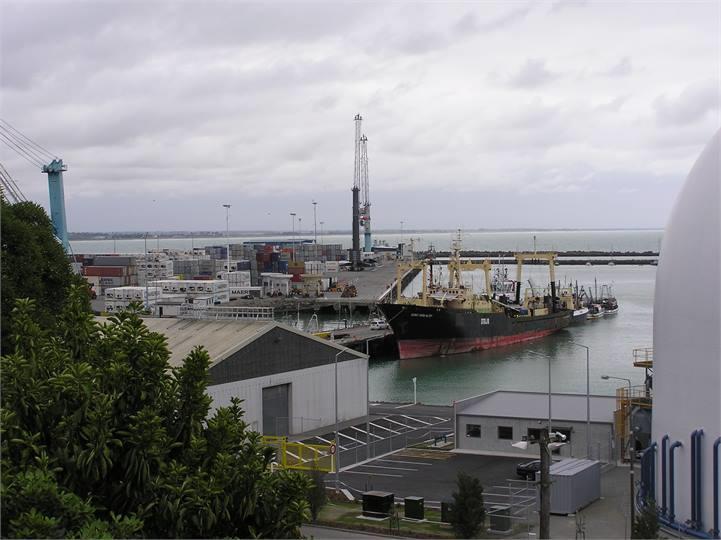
x,y
225,313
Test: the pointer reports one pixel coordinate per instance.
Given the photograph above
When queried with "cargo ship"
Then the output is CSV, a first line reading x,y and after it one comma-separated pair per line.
x,y
452,319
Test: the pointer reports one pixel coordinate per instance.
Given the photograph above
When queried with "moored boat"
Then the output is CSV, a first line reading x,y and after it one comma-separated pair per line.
x,y
452,319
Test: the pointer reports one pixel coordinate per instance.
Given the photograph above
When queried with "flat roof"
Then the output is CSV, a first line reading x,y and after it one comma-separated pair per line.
x,y
534,405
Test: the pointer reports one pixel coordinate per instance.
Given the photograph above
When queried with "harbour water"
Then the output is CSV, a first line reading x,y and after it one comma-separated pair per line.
x,y
562,240
441,380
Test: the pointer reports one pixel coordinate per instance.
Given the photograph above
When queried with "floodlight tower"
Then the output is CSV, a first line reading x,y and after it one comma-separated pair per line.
x,y
355,250
365,192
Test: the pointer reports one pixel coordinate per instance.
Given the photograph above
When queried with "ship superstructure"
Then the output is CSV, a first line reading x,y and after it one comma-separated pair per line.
x,y
451,318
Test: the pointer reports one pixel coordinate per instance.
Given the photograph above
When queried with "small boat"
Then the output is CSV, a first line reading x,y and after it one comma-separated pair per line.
x,y
588,263
595,311
610,306
579,315
611,263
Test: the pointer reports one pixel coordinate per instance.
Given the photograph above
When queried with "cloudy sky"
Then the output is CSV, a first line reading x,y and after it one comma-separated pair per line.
x,y
478,115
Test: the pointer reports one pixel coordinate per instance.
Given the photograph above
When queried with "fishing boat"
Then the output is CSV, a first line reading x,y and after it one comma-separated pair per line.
x,y
595,311
608,300
450,318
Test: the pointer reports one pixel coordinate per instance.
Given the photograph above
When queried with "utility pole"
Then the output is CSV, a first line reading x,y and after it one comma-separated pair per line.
x,y
227,233
315,227
292,223
321,232
545,517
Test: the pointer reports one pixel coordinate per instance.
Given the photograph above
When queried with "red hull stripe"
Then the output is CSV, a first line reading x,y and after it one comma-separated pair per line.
x,y
419,348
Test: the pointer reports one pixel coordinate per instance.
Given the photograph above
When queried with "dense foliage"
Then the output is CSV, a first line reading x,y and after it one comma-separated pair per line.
x,y
317,496
34,264
646,523
467,511
101,438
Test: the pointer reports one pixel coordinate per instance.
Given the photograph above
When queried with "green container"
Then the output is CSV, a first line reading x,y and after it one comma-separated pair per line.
x,y
414,508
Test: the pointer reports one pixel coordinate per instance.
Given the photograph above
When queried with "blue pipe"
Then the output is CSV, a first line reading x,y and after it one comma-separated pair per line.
x,y
671,489
664,453
693,477
716,487
699,476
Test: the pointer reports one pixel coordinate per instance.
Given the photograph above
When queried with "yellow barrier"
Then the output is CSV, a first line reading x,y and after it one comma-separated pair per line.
x,y
301,456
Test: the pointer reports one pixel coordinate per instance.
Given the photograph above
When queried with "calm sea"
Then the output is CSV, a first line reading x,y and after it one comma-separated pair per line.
x,y
596,240
441,380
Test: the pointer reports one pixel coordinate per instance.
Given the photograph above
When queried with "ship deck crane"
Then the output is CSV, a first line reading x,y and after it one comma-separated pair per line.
x,y
47,162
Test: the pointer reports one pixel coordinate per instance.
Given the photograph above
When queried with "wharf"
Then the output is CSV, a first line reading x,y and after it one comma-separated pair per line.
x,y
363,339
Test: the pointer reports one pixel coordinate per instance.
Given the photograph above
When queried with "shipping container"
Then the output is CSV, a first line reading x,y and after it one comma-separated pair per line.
x,y
106,271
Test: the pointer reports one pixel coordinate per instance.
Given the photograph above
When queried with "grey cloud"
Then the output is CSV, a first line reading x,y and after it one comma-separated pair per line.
x,y
691,105
561,5
469,23
621,69
614,105
532,74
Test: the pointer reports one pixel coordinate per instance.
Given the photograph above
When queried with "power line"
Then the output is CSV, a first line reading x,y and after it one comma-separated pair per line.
x,y
20,151
33,143
28,149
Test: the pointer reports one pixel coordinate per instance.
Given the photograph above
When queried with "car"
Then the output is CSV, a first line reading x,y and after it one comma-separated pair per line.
x,y
379,324
528,469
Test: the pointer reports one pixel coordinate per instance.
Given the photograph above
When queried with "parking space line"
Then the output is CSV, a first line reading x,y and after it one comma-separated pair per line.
x,y
373,474
390,468
364,432
405,462
416,419
385,428
441,419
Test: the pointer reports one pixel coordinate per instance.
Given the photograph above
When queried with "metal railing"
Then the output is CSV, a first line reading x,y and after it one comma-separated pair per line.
x,y
301,456
643,357
226,313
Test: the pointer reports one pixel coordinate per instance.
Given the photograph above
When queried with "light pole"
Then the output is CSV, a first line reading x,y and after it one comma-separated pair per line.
x,y
337,449
415,398
292,224
321,231
227,234
315,226
549,385
588,400
544,446
147,262
631,442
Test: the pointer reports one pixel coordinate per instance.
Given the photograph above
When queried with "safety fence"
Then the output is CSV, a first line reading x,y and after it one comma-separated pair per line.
x,y
302,456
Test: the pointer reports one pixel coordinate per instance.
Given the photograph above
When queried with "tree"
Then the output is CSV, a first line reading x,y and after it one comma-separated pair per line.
x,y
467,512
101,437
317,496
646,523
34,264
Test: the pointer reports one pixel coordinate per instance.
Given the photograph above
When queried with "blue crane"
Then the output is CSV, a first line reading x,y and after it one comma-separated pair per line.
x,y
48,163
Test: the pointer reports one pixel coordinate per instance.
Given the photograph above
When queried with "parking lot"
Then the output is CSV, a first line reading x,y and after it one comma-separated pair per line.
x,y
427,473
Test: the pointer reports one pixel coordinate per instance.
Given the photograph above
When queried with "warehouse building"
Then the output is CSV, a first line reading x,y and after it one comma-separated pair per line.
x,y
286,378
491,422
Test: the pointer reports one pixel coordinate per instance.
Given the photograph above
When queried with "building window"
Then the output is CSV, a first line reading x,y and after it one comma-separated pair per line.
x,y
505,432
473,430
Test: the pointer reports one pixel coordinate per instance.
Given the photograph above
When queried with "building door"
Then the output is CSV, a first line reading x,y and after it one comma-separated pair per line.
x,y
276,410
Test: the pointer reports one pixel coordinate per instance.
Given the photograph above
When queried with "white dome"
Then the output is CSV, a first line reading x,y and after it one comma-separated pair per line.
x,y
687,327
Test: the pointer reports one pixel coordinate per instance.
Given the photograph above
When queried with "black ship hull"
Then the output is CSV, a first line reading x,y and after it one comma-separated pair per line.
x,y
433,331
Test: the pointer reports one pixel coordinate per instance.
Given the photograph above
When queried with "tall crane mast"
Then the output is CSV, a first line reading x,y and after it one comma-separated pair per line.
x,y
365,212
355,256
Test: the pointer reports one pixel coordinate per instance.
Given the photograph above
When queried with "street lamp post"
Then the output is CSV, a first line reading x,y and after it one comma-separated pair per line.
x,y
549,385
292,223
321,231
315,226
588,400
631,443
337,448
227,234
415,398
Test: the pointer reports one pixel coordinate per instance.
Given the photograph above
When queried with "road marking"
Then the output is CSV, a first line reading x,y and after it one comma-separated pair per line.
x,y
373,474
404,406
385,428
390,468
406,462
416,419
441,419
367,432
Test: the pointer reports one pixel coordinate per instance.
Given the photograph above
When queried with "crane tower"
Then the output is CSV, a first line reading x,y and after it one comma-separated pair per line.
x,y
355,257
365,211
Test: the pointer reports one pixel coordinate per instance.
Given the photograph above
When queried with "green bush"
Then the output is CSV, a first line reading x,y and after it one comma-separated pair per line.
x,y
467,513
101,438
